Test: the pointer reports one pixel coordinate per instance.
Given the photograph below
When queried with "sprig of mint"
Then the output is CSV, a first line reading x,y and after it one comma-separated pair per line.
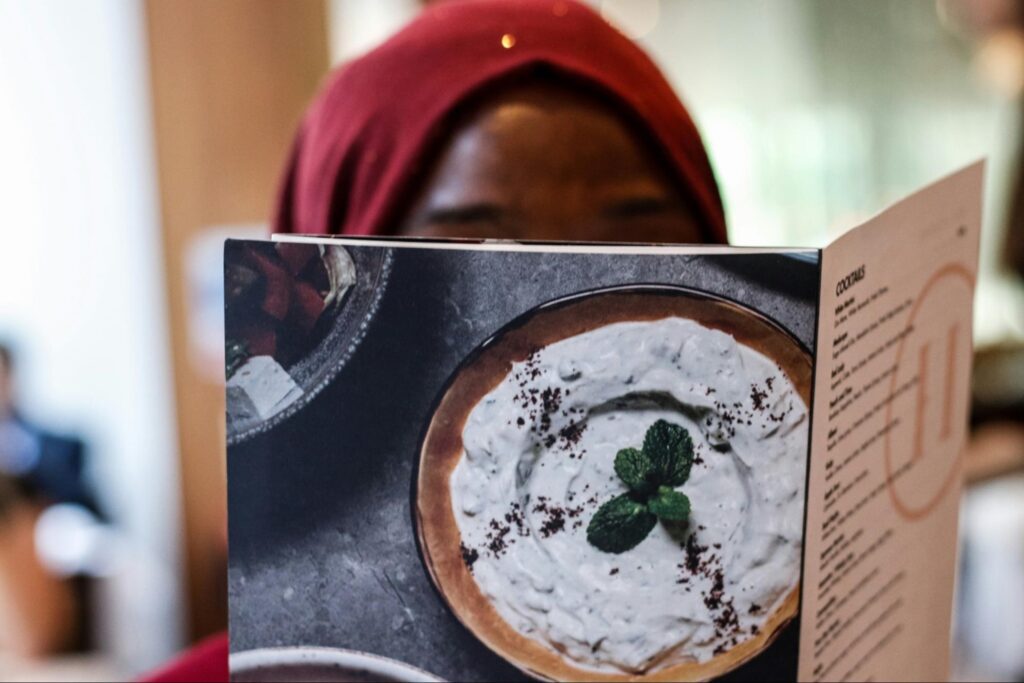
x,y
650,473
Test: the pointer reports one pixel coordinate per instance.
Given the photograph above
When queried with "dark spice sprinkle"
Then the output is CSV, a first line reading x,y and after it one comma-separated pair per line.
x,y
757,397
698,562
497,538
541,404
693,554
556,516
469,556
553,524
614,571
572,431
713,600
515,517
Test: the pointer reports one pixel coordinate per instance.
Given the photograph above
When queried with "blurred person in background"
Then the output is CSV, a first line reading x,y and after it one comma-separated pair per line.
x,y
49,465
43,610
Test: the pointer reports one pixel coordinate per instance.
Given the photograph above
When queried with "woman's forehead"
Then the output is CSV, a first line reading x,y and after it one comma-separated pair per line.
x,y
556,133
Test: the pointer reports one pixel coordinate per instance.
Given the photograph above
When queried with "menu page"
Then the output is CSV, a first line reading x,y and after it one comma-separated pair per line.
x,y
888,436
508,462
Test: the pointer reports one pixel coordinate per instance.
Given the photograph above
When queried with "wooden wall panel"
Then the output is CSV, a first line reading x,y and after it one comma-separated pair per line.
x,y
230,79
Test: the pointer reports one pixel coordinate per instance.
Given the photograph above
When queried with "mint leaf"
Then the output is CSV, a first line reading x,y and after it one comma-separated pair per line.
x,y
650,473
670,450
669,504
635,470
620,524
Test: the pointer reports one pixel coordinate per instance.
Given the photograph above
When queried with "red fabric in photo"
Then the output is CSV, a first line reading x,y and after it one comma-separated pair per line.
x,y
367,136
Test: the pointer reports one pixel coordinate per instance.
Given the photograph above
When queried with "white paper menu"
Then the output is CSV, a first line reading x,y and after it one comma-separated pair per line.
x,y
820,532
888,438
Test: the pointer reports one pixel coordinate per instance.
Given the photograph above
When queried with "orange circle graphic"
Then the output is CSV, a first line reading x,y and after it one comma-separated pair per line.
x,y
954,270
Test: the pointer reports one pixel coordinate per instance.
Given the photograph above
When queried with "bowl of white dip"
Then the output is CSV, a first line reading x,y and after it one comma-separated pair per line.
x,y
519,454
320,664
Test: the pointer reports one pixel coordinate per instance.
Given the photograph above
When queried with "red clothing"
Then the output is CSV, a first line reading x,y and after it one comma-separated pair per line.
x,y
206,662
369,133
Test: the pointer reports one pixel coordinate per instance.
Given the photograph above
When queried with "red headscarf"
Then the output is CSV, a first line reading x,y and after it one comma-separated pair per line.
x,y
366,137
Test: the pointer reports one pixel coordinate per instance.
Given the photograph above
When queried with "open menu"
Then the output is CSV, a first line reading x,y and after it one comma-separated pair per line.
x,y
491,460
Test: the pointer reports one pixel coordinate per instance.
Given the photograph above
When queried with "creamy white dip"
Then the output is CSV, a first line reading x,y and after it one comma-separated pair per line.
x,y
538,462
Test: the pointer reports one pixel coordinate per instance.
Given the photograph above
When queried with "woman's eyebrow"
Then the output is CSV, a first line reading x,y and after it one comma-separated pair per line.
x,y
479,212
642,205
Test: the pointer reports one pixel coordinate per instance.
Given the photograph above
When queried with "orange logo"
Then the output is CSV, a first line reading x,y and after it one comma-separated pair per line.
x,y
922,459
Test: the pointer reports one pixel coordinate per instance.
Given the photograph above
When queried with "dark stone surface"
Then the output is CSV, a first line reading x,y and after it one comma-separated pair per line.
x,y
323,549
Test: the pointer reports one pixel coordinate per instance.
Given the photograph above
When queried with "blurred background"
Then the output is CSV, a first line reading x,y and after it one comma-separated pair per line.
x,y
136,135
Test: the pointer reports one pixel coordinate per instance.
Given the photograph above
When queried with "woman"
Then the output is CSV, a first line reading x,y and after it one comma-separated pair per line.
x,y
525,119
529,119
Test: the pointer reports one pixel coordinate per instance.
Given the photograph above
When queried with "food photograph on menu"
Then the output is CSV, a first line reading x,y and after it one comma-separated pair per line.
x,y
599,473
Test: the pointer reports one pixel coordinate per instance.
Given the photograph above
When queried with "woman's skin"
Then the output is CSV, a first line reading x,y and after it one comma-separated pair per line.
x,y
542,162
